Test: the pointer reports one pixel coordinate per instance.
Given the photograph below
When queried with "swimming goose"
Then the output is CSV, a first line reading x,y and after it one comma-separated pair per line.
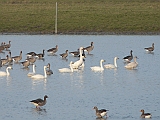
x,y
7,45
53,50
40,55
32,73
89,48
39,76
67,69
2,73
133,64
150,49
100,113
49,71
75,53
145,115
98,68
78,63
111,66
5,61
31,59
17,58
129,57
25,63
64,55
39,102
31,54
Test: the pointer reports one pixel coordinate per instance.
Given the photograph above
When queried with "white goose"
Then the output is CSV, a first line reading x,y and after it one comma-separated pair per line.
x,y
39,76
2,73
111,66
98,68
32,73
132,65
78,63
67,69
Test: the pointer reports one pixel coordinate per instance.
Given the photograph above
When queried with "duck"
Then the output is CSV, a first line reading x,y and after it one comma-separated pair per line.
x,y
32,73
145,115
150,49
2,73
40,55
25,63
78,63
89,48
98,68
100,113
53,50
5,61
39,102
17,58
133,64
68,70
64,55
49,71
129,57
31,54
39,76
111,66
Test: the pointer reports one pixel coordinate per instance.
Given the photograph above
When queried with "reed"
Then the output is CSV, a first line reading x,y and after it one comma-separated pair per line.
x,y
38,16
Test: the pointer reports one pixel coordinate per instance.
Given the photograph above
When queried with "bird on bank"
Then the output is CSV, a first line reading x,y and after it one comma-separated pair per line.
x,y
39,102
129,57
145,115
100,113
89,48
150,49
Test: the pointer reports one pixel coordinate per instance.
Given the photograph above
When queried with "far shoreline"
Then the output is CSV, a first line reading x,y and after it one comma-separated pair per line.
x,y
82,33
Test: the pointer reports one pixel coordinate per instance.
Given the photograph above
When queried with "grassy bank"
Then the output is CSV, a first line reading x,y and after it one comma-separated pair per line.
x,y
38,16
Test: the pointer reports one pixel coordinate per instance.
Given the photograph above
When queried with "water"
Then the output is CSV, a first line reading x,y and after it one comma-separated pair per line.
x,y
72,96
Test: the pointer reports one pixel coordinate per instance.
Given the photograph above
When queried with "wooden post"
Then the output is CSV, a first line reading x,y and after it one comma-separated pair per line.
x,y
56,20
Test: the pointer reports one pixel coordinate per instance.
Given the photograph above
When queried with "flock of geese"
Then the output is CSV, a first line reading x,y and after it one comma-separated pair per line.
x,y
32,56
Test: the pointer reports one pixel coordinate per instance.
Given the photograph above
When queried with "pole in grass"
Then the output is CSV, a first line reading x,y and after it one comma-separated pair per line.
x,y
56,20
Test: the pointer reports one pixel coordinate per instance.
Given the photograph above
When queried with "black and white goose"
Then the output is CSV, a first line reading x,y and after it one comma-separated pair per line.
x,y
100,113
129,57
53,50
150,49
64,55
39,102
89,48
75,53
145,115
31,54
40,55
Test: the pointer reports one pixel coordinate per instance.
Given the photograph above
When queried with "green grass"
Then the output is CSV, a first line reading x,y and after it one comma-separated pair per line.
x,y
38,16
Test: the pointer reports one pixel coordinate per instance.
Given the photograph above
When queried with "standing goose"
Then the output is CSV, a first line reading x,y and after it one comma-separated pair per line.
x,y
17,58
39,102
67,70
150,49
25,63
145,115
10,60
53,50
129,57
133,64
49,71
2,48
40,55
89,48
32,73
31,59
64,55
111,66
100,113
5,61
74,53
7,45
2,73
31,54
39,76
98,68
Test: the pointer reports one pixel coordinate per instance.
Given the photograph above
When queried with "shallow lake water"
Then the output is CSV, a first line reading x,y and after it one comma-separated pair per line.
x,y
72,96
